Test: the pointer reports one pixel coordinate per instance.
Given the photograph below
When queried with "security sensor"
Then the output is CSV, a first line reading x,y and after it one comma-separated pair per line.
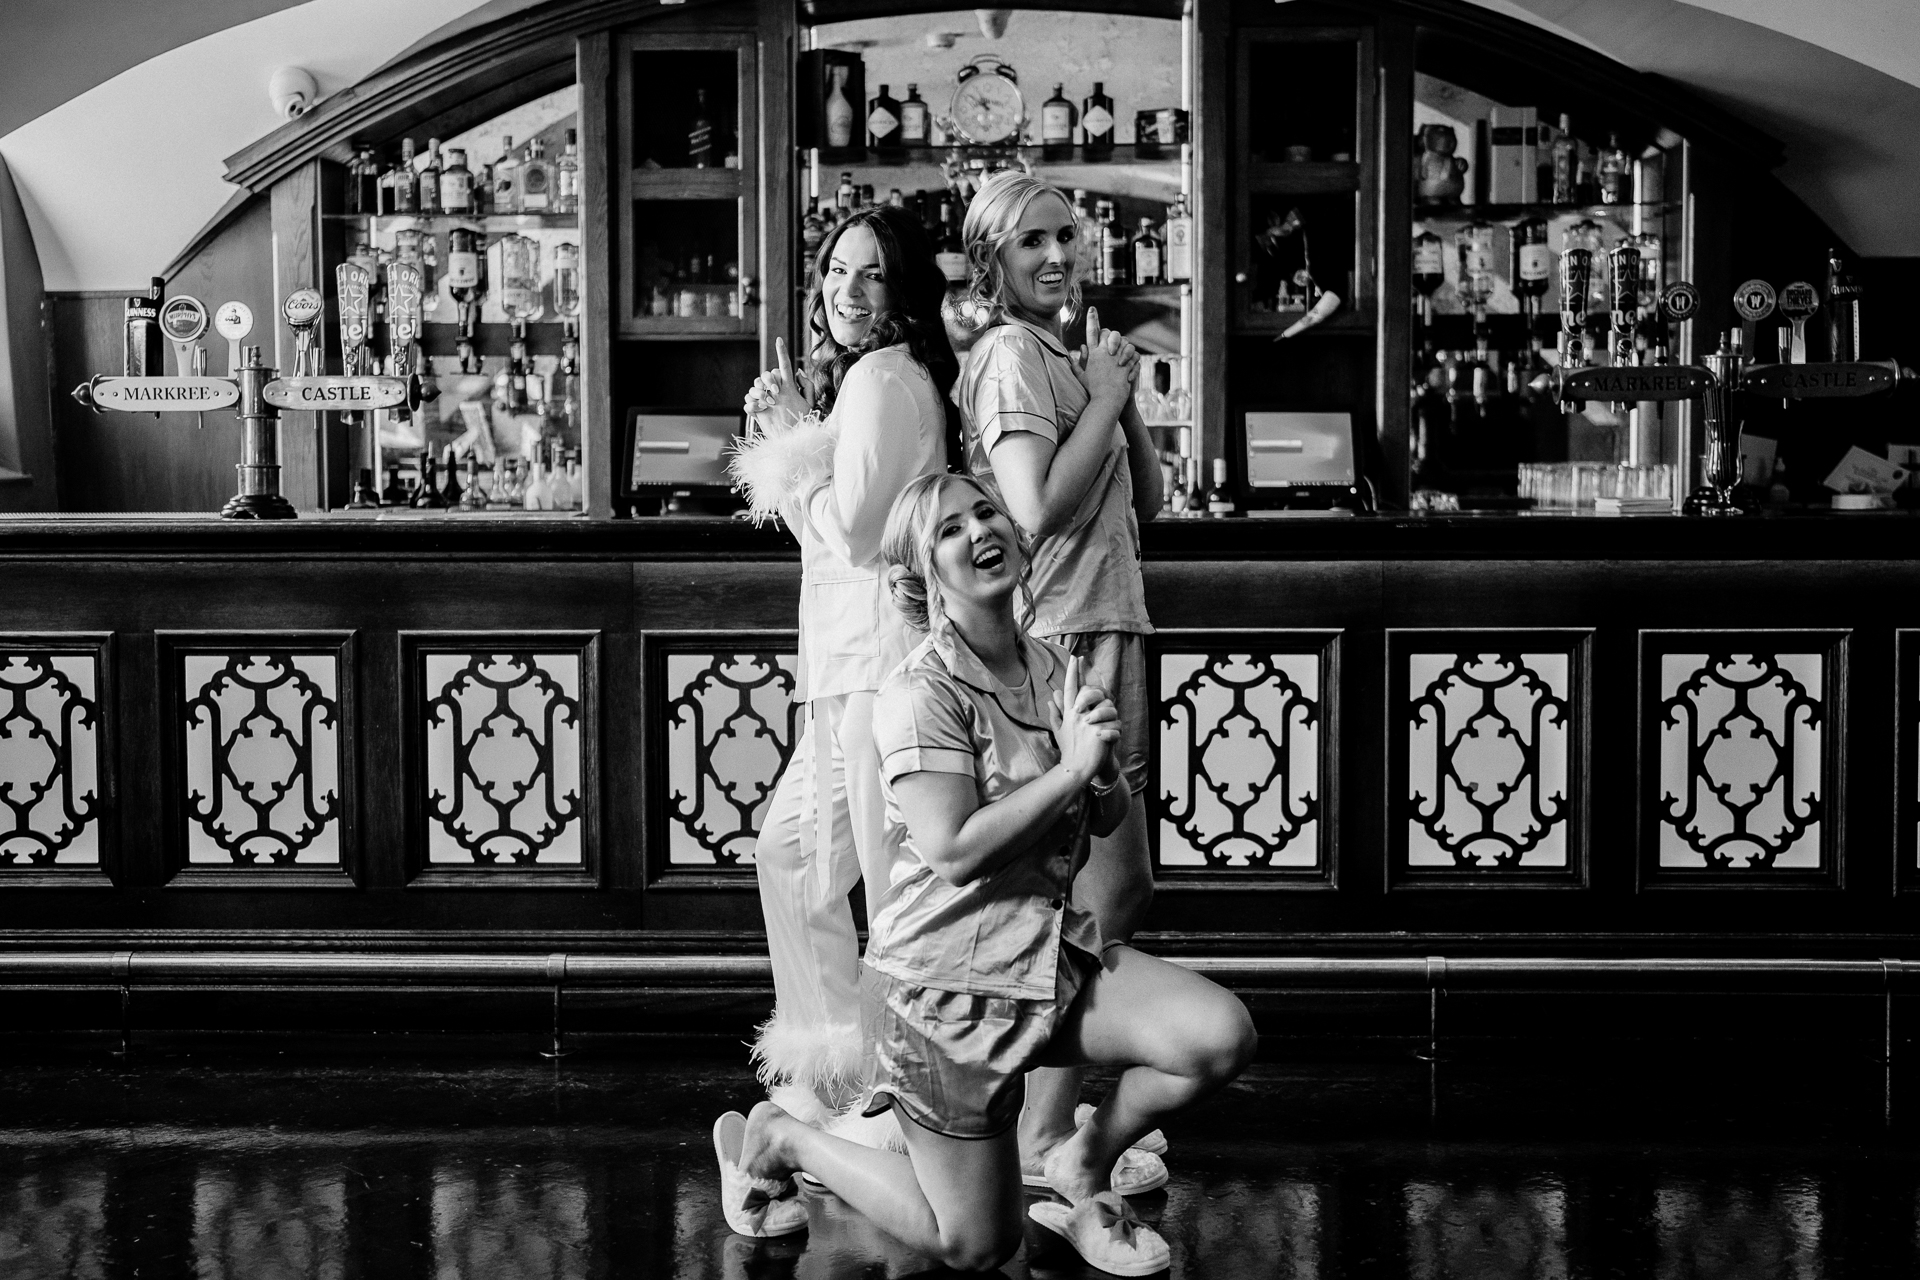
x,y
293,91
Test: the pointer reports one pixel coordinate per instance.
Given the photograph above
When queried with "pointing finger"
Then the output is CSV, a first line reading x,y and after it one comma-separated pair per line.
x,y
786,361
1093,327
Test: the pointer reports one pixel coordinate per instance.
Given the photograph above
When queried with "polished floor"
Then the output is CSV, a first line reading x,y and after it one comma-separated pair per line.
x,y
308,1164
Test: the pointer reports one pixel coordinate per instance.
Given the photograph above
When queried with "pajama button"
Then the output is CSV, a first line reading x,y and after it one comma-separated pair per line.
x,y
1057,903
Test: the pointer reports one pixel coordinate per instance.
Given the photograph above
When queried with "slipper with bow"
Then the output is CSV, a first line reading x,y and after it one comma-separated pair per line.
x,y
753,1206
1154,1144
1135,1173
1106,1234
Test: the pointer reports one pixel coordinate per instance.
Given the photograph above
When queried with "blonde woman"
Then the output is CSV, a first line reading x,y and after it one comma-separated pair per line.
x,y
1055,434
829,453
997,763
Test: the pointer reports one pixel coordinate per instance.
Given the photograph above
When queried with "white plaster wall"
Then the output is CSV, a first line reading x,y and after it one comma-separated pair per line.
x,y
116,181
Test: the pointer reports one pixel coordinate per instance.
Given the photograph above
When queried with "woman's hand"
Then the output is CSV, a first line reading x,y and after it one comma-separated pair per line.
x,y
1089,726
1103,367
780,392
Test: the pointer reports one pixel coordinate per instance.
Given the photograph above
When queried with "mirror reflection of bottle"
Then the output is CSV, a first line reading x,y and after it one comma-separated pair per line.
x,y
838,111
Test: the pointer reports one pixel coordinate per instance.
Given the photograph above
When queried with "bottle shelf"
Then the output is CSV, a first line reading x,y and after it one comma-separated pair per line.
x,y
1446,214
504,223
1152,292
1303,178
1348,321
1122,153
688,184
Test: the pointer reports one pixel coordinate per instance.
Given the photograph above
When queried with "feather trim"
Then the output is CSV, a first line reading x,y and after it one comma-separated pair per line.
x,y
800,1102
827,1058
776,466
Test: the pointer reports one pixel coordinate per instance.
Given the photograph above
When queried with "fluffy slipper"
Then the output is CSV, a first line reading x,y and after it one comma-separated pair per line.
x,y
1135,1173
1105,1233
1154,1144
753,1206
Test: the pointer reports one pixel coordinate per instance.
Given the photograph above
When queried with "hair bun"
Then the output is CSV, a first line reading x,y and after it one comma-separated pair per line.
x,y
909,592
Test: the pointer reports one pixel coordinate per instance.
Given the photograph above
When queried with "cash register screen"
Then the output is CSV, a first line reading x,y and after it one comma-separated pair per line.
x,y
1287,449
680,446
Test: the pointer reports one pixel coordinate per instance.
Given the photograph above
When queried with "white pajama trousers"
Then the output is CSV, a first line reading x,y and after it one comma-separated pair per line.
x,y
824,829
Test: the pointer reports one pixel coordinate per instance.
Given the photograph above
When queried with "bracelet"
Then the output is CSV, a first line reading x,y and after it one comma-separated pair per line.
x,y
1098,790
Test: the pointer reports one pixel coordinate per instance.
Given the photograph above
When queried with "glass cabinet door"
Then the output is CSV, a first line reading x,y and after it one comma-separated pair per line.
x,y
688,187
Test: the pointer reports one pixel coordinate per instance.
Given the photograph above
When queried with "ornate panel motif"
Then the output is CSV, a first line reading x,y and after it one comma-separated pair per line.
x,y
51,731
1488,751
262,756
506,744
730,724
1742,735
1241,752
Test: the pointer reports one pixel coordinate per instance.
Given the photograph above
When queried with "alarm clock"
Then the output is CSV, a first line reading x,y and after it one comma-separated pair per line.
x,y
987,107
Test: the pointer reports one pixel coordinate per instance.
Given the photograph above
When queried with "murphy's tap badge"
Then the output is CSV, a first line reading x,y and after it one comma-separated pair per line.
x,y
233,321
405,283
353,289
1681,301
184,320
1798,302
302,311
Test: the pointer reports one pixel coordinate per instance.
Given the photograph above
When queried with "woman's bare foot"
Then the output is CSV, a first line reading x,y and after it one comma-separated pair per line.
x,y
763,1151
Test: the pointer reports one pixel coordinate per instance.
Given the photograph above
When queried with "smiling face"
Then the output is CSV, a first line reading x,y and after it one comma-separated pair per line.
x,y
976,553
855,289
1037,263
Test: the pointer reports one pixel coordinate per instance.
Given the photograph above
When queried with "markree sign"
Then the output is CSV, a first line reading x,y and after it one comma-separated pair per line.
x,y
1635,382
169,395
335,393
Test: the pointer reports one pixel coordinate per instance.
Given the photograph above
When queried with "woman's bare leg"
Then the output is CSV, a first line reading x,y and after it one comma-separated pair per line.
x,y
956,1200
1184,1037
1116,885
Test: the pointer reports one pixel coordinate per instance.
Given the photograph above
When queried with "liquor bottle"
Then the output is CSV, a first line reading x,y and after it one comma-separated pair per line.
x,y
700,135
1114,267
146,350
1564,148
427,185
1615,174
1147,254
913,119
883,123
1056,125
535,495
1532,266
429,275
1096,117
845,195
866,196
505,186
456,183
517,363
559,484
1429,270
1474,244
1220,496
450,490
895,200
472,496
1196,494
1179,241
1086,239
1586,181
406,194
838,111
1843,310
566,281
426,495
394,494
951,257
536,180
389,179
566,176
465,286
482,202
1179,497
813,231
573,478
363,182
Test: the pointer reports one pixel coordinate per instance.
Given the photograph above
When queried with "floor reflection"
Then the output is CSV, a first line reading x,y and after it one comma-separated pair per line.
x,y
198,1169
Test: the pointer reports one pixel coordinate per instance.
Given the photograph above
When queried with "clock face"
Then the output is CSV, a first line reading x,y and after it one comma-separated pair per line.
x,y
987,108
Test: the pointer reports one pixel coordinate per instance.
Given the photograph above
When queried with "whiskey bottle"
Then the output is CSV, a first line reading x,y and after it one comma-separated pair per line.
x,y
1096,117
1220,496
883,124
951,256
700,135
913,119
1615,174
1532,266
428,184
1179,241
456,183
146,350
566,176
406,195
1147,254
1115,269
1056,125
506,179
536,180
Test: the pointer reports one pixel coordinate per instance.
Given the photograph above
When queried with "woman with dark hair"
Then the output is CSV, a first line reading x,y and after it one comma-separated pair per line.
x,y
828,451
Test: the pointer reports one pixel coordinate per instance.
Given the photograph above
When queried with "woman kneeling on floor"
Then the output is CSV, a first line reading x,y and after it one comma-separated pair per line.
x,y
997,764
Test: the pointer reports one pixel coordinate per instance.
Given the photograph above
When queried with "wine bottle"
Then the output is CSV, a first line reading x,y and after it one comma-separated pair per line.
x,y
700,135
839,112
951,257
1220,496
1056,125
1532,266
913,119
883,124
363,176
1096,117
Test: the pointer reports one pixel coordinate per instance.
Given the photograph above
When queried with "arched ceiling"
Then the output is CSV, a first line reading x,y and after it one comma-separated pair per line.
x,y
116,115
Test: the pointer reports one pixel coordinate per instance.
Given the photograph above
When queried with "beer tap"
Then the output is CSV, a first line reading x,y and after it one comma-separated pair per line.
x,y
405,283
1799,302
183,319
1721,463
1622,341
353,288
